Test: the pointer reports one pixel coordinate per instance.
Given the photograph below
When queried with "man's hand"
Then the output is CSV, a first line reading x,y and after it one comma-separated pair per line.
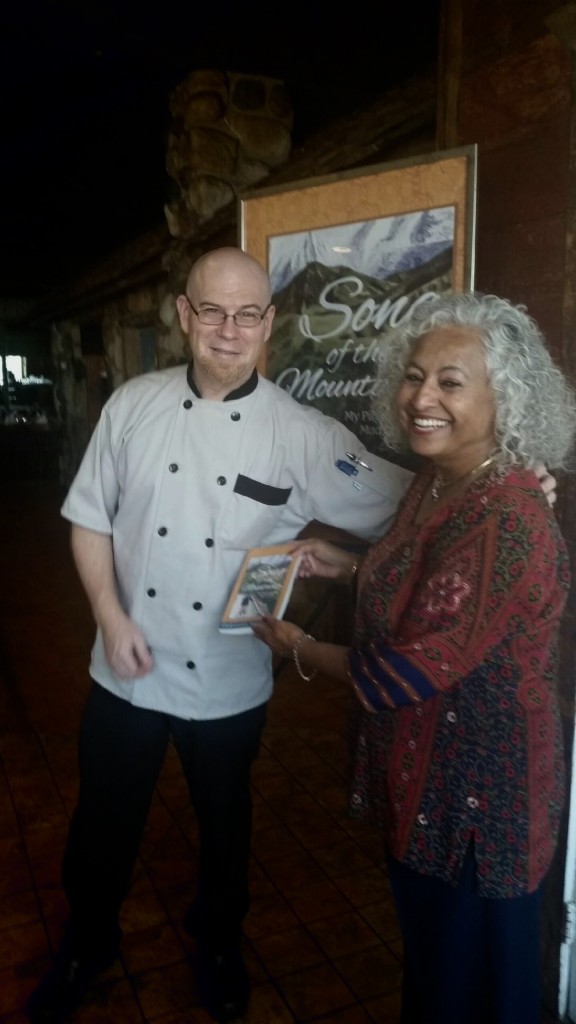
x,y
125,646
547,483
126,649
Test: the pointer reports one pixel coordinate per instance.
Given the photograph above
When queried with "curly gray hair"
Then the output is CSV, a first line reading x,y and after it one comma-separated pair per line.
x,y
535,406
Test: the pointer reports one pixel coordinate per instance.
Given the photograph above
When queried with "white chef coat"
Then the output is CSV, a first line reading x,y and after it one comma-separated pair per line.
x,y
185,486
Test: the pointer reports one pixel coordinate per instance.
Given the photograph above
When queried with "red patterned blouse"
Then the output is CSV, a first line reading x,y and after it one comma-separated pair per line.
x,y
457,731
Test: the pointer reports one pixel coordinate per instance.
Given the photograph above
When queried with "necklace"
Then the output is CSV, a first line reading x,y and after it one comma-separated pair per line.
x,y
439,483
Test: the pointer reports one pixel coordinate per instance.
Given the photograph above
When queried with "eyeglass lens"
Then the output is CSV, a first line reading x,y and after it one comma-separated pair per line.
x,y
215,317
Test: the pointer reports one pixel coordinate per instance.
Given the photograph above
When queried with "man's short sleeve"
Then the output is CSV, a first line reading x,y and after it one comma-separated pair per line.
x,y
353,489
93,495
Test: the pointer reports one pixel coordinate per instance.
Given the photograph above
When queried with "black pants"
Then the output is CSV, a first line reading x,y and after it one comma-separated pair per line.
x,y
467,959
121,751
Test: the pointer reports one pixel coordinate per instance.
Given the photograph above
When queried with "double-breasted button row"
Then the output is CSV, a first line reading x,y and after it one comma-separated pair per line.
x,y
174,467
234,416
163,530
197,606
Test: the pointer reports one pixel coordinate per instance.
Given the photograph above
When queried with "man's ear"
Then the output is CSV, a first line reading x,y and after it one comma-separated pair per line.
x,y
269,318
183,308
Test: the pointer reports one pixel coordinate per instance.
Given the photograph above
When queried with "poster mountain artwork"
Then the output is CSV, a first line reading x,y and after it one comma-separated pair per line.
x,y
338,292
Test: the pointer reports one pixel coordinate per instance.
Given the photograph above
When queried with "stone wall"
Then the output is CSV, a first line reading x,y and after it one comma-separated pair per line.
x,y
228,131
70,396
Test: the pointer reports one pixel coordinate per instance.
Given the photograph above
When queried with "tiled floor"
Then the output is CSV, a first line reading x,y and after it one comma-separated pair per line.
x,y
321,942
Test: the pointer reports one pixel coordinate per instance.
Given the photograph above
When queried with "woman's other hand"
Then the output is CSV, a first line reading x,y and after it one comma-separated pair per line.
x,y
320,558
279,636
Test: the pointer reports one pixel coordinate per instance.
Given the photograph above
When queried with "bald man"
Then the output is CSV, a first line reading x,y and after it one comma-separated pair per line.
x,y
188,468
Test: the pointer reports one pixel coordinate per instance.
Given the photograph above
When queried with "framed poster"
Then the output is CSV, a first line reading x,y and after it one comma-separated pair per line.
x,y
349,256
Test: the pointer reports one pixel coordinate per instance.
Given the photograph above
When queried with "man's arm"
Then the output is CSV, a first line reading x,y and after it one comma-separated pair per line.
x,y
126,648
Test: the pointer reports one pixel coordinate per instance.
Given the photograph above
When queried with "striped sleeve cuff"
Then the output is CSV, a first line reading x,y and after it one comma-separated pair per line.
x,y
382,678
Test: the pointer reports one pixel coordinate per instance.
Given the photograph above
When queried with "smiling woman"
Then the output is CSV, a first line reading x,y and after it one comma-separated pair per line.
x,y
533,405
453,666
446,405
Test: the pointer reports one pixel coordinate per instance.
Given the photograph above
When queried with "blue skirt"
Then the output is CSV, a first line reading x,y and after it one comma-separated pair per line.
x,y
467,959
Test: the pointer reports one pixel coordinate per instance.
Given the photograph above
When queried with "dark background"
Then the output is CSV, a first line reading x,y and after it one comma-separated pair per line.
x,y
84,88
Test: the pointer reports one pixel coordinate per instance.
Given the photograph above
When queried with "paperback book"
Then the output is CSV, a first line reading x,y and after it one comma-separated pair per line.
x,y
263,587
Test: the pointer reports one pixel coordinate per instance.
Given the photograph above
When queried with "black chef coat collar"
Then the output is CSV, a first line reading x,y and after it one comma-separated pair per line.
x,y
246,388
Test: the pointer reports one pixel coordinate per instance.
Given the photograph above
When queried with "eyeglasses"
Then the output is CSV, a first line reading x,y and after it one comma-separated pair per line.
x,y
213,316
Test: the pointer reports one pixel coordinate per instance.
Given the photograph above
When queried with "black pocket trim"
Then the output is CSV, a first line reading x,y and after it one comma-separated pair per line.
x,y
263,493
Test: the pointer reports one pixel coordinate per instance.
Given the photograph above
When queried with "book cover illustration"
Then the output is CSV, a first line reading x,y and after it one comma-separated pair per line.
x,y
263,587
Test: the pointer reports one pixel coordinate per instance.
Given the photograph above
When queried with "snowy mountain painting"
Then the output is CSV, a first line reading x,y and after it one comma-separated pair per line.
x,y
376,248
338,291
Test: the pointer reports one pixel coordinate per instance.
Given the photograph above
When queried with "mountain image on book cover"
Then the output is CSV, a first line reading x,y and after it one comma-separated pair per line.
x,y
263,587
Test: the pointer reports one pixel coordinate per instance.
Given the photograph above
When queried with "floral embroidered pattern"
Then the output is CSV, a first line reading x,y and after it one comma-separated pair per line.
x,y
446,592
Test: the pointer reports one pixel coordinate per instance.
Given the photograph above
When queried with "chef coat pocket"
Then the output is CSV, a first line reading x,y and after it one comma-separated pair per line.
x,y
256,510
263,493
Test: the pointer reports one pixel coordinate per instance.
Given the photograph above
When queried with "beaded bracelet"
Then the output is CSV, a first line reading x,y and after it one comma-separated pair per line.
x,y
354,570
300,640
